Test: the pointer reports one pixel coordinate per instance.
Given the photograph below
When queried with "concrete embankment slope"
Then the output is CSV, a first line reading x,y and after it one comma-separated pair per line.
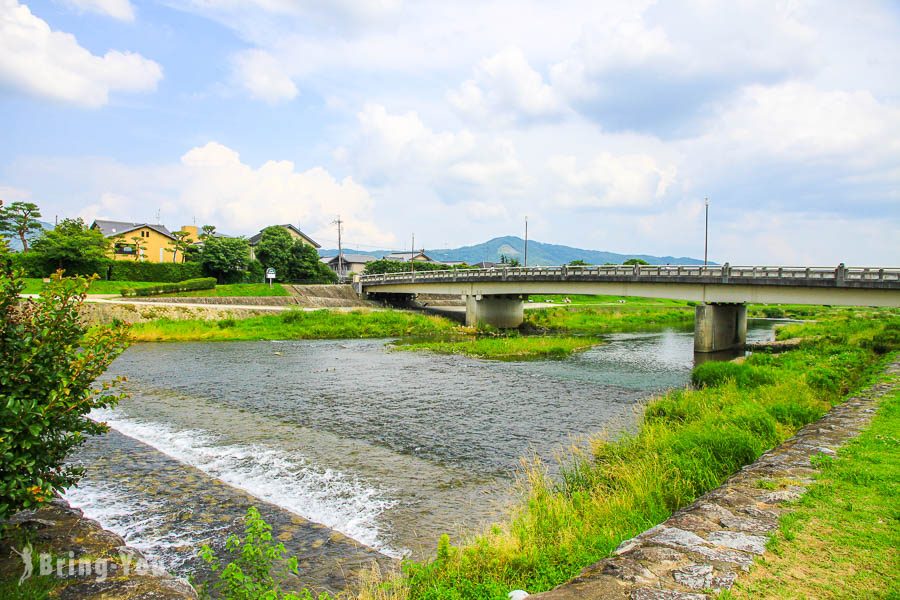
x,y
705,546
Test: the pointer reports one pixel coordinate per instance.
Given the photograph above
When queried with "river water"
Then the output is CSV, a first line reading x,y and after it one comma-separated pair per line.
x,y
353,452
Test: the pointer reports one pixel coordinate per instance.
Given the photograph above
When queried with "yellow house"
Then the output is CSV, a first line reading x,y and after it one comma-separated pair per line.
x,y
295,233
139,241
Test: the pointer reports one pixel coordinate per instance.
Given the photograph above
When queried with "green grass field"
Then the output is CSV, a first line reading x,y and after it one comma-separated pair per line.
x,y
842,540
605,319
34,286
233,291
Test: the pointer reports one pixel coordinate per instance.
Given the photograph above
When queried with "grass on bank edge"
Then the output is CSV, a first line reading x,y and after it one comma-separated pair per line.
x,y
505,347
35,286
234,290
843,538
689,442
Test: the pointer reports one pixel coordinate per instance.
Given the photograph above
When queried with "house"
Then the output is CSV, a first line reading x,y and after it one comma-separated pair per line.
x,y
295,233
150,241
418,256
350,264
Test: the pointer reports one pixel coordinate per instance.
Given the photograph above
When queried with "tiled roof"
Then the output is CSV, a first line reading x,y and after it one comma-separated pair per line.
x,y
111,228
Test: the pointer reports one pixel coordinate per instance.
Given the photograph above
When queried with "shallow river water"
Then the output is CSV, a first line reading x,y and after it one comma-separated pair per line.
x,y
352,451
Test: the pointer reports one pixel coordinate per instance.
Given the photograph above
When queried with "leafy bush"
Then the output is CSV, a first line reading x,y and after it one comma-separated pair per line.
x,y
122,270
255,272
712,374
773,312
886,340
48,362
190,285
256,568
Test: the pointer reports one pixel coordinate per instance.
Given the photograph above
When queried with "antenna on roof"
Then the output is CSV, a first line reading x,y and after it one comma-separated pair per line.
x,y
157,216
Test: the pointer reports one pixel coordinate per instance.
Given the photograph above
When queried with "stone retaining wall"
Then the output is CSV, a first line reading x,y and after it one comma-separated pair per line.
x,y
705,546
64,533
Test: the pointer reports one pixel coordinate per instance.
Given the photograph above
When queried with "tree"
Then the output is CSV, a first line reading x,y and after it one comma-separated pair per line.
x,y
207,231
71,245
49,360
383,265
635,261
579,263
181,243
509,261
139,245
225,258
306,266
275,250
20,218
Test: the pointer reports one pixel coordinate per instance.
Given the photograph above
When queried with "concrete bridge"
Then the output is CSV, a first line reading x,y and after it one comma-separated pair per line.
x,y
495,296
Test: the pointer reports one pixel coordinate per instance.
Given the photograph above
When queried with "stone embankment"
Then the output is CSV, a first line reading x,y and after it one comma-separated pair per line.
x,y
704,547
87,562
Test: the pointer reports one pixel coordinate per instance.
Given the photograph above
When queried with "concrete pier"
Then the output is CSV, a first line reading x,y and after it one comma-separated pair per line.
x,y
720,327
503,312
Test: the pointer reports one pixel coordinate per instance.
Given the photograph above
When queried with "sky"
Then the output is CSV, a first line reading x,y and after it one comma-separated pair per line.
x,y
604,123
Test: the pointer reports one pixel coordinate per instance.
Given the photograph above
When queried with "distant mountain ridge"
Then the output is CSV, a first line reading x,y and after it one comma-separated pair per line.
x,y
15,244
539,253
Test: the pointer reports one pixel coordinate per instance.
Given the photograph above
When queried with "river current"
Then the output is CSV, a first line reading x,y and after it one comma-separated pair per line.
x,y
352,451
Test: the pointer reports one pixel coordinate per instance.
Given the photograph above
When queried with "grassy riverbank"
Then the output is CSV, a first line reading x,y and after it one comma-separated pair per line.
x,y
295,325
842,540
505,347
689,442
234,290
35,286
607,319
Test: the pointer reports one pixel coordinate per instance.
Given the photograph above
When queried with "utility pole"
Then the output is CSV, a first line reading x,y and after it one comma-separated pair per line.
x,y
526,241
706,235
339,223
412,253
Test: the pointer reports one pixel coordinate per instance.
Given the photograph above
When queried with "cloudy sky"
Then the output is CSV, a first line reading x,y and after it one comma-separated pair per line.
x,y
605,122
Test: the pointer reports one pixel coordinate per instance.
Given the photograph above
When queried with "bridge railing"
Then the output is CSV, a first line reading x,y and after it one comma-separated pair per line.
x,y
717,273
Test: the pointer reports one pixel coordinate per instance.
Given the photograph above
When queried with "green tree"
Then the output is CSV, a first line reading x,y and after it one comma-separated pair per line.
x,y
579,263
383,265
207,231
139,245
181,243
71,245
225,258
275,250
635,261
509,261
306,266
20,219
49,360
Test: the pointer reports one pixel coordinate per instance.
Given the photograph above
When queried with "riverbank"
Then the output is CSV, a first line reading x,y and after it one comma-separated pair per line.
x,y
689,442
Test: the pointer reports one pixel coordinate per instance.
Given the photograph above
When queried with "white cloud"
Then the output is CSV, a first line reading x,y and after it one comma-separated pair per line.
x,y
620,181
52,64
262,75
117,9
401,147
506,88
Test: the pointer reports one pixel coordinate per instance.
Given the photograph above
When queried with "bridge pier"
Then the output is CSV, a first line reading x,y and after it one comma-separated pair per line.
x,y
501,311
720,327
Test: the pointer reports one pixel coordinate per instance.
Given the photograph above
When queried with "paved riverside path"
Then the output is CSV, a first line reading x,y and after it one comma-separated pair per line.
x,y
705,546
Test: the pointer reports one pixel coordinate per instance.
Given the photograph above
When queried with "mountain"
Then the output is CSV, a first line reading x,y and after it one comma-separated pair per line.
x,y
15,244
538,253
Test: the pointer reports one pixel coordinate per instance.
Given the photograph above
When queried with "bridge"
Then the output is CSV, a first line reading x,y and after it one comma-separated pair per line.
x,y
496,296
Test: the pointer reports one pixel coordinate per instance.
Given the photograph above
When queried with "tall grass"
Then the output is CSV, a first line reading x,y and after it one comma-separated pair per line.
x,y
605,319
294,325
505,347
689,442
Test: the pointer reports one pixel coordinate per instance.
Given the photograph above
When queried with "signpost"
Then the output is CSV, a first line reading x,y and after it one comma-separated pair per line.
x,y
270,275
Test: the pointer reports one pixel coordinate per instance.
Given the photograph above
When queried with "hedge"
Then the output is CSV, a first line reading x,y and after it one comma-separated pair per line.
x,y
189,285
121,270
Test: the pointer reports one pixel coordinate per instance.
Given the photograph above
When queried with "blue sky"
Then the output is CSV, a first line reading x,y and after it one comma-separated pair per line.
x,y
606,123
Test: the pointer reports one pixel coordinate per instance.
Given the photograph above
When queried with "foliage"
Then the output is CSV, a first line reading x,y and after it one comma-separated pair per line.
x,y
578,263
688,442
274,251
72,246
306,266
202,283
508,261
20,219
182,243
603,319
297,324
258,566
715,373
48,362
635,261
236,290
98,286
225,258
839,537
385,265
120,270
255,272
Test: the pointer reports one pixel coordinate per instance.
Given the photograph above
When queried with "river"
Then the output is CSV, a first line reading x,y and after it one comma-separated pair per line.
x,y
352,451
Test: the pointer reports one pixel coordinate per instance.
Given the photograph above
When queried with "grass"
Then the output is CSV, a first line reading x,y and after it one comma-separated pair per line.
x,y
606,319
233,291
295,325
843,539
689,442
35,286
505,347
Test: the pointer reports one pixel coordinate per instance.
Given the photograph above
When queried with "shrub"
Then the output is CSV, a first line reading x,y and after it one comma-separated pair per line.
x,y
773,312
226,323
48,363
712,374
190,285
255,272
122,270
